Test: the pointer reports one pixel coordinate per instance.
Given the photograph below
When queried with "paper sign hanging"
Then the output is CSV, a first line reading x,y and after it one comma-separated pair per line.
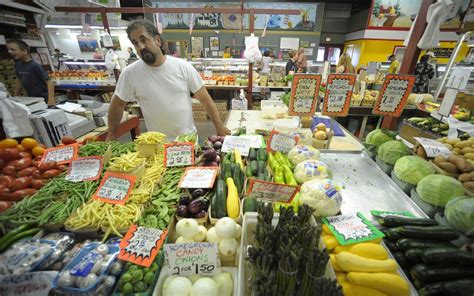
x,y
115,188
234,142
281,142
272,192
383,214
304,94
448,101
193,258
85,169
432,147
141,245
198,177
394,95
337,98
178,154
352,229
61,155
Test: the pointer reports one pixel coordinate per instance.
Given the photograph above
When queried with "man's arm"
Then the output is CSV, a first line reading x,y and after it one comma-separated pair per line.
x,y
203,96
18,88
115,116
50,85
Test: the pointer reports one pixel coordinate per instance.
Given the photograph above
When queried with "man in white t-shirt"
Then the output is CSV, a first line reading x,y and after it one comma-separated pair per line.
x,y
162,86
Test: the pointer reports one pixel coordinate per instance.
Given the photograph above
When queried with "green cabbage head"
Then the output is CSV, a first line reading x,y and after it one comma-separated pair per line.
x,y
377,137
437,190
389,152
411,169
459,212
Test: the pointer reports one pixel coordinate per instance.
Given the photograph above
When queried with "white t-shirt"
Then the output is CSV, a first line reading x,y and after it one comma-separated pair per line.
x,y
163,94
266,64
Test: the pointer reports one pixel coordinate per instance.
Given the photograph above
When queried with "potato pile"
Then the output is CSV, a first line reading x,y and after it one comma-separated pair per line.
x,y
459,147
321,132
457,165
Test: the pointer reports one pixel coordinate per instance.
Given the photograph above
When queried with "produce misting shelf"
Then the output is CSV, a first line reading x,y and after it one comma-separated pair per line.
x,y
364,186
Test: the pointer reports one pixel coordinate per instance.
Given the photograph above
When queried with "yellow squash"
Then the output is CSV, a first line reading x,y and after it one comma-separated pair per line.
x,y
352,262
369,250
233,206
389,283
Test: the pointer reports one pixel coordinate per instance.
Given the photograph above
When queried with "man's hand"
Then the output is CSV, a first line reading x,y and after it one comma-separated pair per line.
x,y
222,131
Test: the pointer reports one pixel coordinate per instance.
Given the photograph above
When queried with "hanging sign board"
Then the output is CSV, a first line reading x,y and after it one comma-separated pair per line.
x,y
272,192
61,155
394,95
193,258
198,177
85,169
337,98
281,142
304,94
352,229
115,188
178,154
141,245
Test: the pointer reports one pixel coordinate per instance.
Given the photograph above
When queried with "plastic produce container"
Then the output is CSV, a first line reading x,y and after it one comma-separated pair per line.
x,y
272,109
387,168
287,125
426,207
406,187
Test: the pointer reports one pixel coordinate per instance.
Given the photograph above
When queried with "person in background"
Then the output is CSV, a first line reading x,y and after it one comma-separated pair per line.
x,y
57,56
132,55
98,54
162,86
267,59
30,75
227,52
424,71
302,61
345,65
291,64
394,65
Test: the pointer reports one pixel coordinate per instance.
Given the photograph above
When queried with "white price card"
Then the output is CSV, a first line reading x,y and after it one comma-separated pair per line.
x,y
272,192
115,188
394,95
193,258
448,101
432,147
198,177
337,98
85,169
234,142
178,154
281,142
61,155
141,245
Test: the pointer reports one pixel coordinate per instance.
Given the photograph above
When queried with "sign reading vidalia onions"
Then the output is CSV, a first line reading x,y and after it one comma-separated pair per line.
x,y
394,95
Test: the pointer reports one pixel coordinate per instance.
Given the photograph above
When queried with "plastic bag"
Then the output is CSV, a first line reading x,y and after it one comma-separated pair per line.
x,y
16,122
252,52
240,103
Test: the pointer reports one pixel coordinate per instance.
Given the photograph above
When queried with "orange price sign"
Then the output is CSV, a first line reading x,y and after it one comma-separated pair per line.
x,y
115,188
394,95
281,142
304,94
270,191
178,154
61,155
337,98
141,245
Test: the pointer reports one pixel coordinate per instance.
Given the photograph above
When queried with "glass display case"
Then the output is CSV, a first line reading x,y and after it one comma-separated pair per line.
x,y
83,64
225,72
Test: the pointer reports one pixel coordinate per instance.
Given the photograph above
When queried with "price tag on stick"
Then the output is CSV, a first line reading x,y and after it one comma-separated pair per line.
x,y
337,98
141,245
281,142
352,229
193,258
272,192
198,177
85,169
178,154
115,188
61,155
304,94
394,95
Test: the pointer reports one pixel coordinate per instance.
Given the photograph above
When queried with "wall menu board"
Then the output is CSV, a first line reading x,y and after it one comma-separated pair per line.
x,y
394,95
304,94
337,98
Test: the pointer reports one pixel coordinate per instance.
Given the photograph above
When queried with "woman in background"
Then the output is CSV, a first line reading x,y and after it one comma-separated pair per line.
x,y
302,61
424,71
227,52
345,65
267,59
291,64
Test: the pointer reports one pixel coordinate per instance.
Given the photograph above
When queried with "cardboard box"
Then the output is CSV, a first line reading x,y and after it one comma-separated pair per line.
x,y
409,132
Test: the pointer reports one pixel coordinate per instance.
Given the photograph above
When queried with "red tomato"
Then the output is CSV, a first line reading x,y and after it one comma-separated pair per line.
x,y
49,165
20,183
37,175
51,174
4,194
11,154
20,164
27,172
68,140
6,180
4,205
9,170
38,183
3,164
20,194
25,154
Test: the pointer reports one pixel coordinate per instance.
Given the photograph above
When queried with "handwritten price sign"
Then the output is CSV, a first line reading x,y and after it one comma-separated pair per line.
x,y
337,98
179,154
198,177
352,229
85,169
141,245
281,142
270,191
61,155
193,258
432,147
304,94
115,188
394,95
240,143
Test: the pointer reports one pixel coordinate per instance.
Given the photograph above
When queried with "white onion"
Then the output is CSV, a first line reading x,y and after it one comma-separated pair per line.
x,y
193,278
187,227
226,283
184,240
212,237
179,286
238,231
225,228
205,287
228,247
201,235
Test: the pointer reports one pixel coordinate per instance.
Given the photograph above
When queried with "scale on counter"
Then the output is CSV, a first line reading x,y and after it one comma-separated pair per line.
x,y
34,104
79,125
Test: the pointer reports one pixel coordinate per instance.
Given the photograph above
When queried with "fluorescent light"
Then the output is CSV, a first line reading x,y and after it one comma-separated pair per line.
x,y
80,27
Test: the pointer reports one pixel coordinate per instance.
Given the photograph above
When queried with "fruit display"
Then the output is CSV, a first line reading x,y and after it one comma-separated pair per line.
x,y
84,75
370,96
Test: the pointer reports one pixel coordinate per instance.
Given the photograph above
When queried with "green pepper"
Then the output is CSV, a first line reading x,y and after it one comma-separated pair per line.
x,y
272,161
289,177
279,177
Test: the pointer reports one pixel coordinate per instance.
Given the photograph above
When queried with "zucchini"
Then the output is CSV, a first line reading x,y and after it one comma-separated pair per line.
x,y
260,167
414,255
402,260
411,243
226,165
252,154
248,171
221,199
442,256
262,154
394,221
261,177
254,167
423,274
457,287
392,234
232,157
250,205
14,232
390,245
242,180
237,179
443,233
